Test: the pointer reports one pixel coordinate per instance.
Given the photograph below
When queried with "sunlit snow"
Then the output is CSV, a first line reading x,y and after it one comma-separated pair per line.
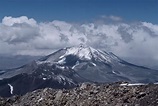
x,y
44,78
133,84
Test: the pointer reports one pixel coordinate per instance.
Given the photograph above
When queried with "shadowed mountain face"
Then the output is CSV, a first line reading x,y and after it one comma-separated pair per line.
x,y
68,67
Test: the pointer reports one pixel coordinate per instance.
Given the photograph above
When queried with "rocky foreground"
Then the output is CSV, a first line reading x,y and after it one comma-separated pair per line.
x,y
89,95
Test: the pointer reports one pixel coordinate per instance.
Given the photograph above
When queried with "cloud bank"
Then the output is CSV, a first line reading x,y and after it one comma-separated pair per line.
x,y
25,36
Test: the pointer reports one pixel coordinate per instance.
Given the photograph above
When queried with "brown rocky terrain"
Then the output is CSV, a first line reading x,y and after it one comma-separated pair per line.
x,y
89,95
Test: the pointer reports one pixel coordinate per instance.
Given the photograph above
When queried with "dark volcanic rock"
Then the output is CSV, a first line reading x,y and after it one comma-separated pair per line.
x,y
89,95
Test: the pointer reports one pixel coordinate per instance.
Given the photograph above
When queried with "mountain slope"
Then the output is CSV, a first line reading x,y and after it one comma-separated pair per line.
x,y
68,67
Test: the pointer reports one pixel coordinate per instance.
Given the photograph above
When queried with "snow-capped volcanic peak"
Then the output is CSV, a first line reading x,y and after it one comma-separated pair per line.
x,y
83,52
87,53
79,53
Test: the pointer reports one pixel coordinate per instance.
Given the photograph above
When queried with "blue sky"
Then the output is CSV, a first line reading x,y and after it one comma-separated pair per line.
x,y
81,10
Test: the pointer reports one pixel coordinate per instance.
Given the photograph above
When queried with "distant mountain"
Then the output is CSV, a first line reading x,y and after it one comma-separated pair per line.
x,y
68,67
147,62
13,61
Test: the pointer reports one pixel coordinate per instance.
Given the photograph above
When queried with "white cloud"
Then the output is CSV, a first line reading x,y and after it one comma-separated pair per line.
x,y
111,17
25,36
18,30
115,18
9,21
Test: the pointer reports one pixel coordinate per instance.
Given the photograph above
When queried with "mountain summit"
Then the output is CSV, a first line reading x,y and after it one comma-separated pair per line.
x,y
78,54
68,67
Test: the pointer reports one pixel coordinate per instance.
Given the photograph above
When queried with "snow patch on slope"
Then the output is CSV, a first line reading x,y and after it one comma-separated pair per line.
x,y
62,60
132,84
114,72
11,88
93,64
77,63
44,78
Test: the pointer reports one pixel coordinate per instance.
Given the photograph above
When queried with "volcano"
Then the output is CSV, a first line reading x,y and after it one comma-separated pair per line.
x,y
71,66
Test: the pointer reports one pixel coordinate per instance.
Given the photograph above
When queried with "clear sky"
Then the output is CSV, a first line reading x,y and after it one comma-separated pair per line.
x,y
81,10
